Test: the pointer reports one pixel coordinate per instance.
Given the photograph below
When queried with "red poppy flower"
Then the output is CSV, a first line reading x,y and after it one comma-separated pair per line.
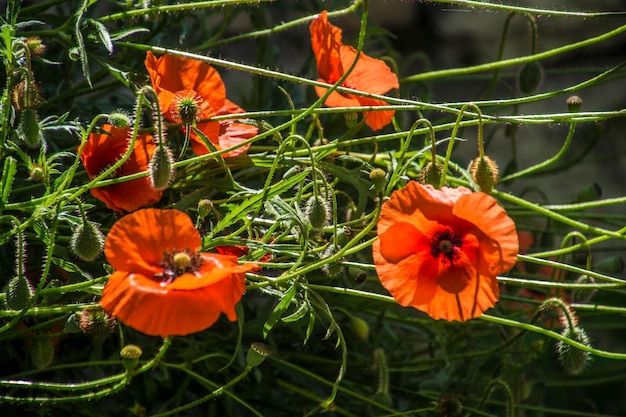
x,y
162,284
190,90
441,250
102,150
369,75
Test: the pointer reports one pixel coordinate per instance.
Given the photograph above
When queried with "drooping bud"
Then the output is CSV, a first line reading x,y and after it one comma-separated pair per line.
x,y
573,360
130,357
29,128
574,103
584,295
120,119
161,167
87,241
379,178
257,354
431,174
317,212
96,322
530,77
42,352
484,172
19,293
26,94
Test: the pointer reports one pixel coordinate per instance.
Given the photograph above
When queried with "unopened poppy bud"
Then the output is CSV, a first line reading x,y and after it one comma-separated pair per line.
x,y
205,206
37,173
431,174
26,94
484,172
590,192
257,354
19,293
351,119
35,45
29,127
96,322
130,357
317,212
573,360
120,119
87,241
611,265
331,269
574,103
360,327
530,77
379,178
161,167
42,352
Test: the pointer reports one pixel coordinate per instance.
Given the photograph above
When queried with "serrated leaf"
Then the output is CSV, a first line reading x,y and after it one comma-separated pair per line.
x,y
103,34
298,314
279,310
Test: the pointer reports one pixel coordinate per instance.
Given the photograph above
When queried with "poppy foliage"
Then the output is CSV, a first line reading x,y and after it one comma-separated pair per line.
x,y
162,284
441,250
369,74
102,150
184,83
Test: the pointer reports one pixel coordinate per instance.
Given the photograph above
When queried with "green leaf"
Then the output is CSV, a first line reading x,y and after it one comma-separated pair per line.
x,y
103,34
279,310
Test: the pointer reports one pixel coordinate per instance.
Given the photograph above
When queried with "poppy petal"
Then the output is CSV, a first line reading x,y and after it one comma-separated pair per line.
x,y
137,241
326,43
369,75
401,241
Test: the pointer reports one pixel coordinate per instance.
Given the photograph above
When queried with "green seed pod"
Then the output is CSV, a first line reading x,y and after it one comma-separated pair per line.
x,y
257,354
573,360
530,77
379,179
204,208
161,167
87,241
318,212
42,352
130,357
351,119
589,192
29,128
574,103
19,293
484,172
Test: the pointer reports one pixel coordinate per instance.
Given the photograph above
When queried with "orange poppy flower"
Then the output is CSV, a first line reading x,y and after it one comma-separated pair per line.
x,y
162,284
441,250
102,150
369,75
183,83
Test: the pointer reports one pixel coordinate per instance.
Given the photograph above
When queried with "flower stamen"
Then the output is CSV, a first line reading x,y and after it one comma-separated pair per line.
x,y
177,263
446,243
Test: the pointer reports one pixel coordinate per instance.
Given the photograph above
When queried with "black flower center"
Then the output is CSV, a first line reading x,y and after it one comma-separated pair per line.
x,y
445,243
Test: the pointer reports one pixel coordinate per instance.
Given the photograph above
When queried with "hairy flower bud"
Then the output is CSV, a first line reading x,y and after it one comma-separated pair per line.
x,y
120,119
29,128
87,241
431,174
484,172
19,293
573,360
161,167
42,352
317,212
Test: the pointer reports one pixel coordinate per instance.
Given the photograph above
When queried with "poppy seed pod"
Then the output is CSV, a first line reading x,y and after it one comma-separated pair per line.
x,y
19,293
318,212
29,128
42,352
574,103
530,77
130,357
351,119
257,354
204,207
161,167
431,174
87,241
484,172
379,179
573,360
